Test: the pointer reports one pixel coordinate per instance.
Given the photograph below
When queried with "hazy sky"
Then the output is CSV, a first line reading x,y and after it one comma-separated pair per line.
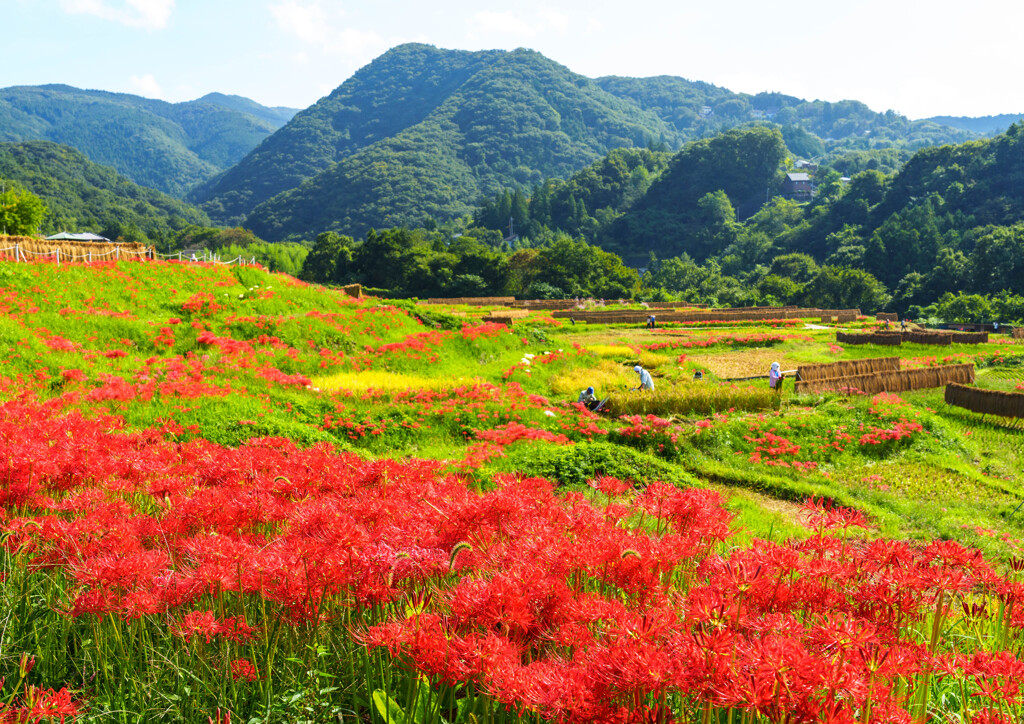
x,y
920,59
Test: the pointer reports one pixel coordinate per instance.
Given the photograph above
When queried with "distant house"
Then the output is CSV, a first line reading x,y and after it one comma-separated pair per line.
x,y
65,236
706,111
797,186
806,165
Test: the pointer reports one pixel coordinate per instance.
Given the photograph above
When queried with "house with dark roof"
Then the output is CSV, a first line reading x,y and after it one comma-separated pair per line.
x,y
797,186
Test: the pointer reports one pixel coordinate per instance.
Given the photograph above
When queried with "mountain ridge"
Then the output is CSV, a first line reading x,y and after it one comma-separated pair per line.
x,y
361,157
166,146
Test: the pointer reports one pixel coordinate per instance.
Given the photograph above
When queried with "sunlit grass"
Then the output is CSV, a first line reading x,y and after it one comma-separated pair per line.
x,y
610,350
701,398
386,382
606,376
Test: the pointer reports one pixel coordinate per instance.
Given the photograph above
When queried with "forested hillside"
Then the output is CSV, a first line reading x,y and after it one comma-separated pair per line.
x,y
811,128
423,132
166,146
981,124
84,196
948,225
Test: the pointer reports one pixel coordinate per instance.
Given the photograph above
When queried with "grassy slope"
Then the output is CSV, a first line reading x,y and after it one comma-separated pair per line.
x,y
283,349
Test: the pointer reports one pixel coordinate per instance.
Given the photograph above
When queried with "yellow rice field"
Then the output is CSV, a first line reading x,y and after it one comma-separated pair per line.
x,y
386,382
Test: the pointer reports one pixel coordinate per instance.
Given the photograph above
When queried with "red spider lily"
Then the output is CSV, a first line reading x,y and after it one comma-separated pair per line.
x,y
554,605
825,515
40,704
243,670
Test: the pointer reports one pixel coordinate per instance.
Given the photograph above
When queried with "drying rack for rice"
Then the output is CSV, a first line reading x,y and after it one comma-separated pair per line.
x,y
741,314
986,402
31,248
889,339
847,367
506,316
473,301
872,376
894,338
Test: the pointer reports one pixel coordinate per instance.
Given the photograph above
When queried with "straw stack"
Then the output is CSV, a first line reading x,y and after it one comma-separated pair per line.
x,y
986,402
893,380
74,251
473,301
847,368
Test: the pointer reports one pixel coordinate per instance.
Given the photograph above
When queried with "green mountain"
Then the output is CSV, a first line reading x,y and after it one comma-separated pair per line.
x,y
424,132
985,125
167,146
276,116
810,128
691,206
84,196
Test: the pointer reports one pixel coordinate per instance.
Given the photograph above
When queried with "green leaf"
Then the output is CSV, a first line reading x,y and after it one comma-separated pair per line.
x,y
387,707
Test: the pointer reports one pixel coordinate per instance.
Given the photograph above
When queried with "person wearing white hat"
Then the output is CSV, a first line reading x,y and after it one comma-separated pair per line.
x,y
646,383
775,377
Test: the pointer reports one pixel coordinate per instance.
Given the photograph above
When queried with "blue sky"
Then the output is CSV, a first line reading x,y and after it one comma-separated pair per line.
x,y
920,59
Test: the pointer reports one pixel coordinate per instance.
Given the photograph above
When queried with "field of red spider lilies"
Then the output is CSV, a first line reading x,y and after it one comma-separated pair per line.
x,y
227,496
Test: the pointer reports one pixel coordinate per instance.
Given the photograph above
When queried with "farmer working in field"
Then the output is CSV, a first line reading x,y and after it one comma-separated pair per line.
x,y
646,383
588,398
775,377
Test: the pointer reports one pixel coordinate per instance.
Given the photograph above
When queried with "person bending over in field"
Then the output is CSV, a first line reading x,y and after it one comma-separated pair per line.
x,y
588,398
646,383
775,377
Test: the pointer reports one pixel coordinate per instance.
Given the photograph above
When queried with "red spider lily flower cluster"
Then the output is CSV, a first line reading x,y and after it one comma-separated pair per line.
x,y
38,705
569,609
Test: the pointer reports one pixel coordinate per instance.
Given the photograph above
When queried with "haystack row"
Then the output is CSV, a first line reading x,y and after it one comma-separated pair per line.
x,y
544,304
880,338
613,316
473,301
970,337
30,248
893,381
499,315
845,383
806,373
894,338
986,402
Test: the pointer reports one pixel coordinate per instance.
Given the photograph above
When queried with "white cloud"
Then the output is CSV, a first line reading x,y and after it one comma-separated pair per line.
x,y
147,14
146,85
501,25
322,28
305,21
555,20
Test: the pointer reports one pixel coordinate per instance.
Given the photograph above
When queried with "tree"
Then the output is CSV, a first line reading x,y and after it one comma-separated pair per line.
x,y
844,288
520,212
997,261
716,223
21,212
329,251
800,268
964,308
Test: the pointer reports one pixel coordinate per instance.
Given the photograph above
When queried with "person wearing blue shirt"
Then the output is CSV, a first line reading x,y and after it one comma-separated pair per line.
x,y
646,383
